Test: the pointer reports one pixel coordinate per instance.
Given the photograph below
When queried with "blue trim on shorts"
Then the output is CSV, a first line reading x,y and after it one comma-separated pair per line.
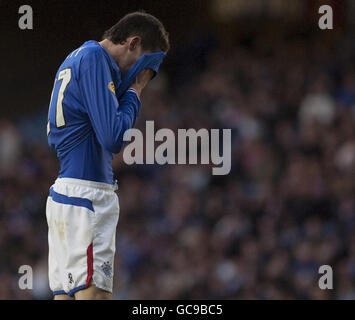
x,y
75,201
72,291
59,292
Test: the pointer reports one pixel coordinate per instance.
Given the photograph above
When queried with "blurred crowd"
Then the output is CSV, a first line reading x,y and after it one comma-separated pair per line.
x,y
262,232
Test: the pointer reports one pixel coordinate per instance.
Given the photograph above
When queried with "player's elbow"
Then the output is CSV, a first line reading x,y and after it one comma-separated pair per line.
x,y
112,146
113,142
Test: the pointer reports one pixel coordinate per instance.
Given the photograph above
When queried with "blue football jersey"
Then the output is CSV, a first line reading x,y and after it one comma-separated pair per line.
x,y
90,109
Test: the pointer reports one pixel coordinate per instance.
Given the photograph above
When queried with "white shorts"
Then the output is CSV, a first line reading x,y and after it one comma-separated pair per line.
x,y
82,217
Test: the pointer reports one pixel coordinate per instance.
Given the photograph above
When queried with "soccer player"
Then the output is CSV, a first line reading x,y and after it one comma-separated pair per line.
x,y
95,99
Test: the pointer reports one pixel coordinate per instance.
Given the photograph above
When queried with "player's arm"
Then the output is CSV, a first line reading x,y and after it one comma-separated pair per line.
x,y
142,80
109,118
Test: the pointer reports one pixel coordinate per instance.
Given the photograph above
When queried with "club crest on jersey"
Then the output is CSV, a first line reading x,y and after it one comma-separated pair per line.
x,y
111,86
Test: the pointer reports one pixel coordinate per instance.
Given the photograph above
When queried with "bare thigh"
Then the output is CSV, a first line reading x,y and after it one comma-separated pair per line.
x,y
62,297
93,293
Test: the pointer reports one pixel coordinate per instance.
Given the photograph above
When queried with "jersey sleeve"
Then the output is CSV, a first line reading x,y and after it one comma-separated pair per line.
x,y
109,117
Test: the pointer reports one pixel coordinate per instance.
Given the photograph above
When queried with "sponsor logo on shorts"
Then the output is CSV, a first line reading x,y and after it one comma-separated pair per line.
x,y
70,277
107,269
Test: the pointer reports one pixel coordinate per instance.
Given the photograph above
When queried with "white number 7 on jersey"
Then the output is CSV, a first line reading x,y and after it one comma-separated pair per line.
x,y
65,76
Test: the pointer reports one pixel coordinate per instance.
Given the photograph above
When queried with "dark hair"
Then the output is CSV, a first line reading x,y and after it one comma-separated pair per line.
x,y
151,31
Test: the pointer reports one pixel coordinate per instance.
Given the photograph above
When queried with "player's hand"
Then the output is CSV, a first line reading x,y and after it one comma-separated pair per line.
x,y
142,79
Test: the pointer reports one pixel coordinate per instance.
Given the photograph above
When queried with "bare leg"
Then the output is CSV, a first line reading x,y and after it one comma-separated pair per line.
x,y
62,297
93,293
